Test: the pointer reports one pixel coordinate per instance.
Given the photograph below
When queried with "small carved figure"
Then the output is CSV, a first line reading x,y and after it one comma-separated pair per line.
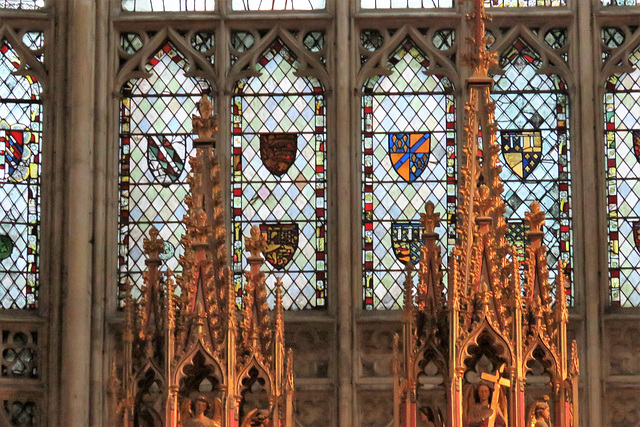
x,y
426,416
540,413
479,409
207,124
199,419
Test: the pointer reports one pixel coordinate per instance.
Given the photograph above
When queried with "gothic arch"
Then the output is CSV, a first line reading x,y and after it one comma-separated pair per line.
x,y
376,65
134,67
309,64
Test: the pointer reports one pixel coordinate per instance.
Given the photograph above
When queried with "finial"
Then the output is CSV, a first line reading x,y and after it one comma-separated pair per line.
x,y
534,219
205,125
257,243
430,219
153,246
484,202
479,58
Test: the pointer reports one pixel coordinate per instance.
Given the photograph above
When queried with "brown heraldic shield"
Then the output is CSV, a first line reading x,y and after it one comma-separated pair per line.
x,y
278,151
282,243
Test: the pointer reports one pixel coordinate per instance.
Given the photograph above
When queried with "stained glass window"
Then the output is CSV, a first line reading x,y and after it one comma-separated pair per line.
x,y
404,4
20,151
524,3
21,4
621,2
278,4
408,158
622,139
533,132
155,145
279,179
168,5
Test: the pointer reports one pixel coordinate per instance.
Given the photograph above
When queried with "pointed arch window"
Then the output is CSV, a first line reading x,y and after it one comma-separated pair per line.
x,y
408,158
622,143
21,4
621,2
155,146
278,4
533,132
20,178
524,3
278,175
405,4
168,5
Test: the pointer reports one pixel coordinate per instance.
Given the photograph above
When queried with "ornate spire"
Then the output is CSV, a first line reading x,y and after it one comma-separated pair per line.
x,y
189,331
486,323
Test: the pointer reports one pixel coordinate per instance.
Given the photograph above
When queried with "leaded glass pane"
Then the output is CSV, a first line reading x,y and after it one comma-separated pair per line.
x,y
620,2
155,146
168,5
405,4
409,153
20,160
622,143
279,178
524,3
533,131
21,4
278,4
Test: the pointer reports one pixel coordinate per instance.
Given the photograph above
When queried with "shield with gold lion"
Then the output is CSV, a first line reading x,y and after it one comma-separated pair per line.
x,y
522,150
278,151
282,243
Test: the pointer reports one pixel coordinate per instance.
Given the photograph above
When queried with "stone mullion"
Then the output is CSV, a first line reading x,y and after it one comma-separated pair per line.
x,y
79,221
343,202
586,169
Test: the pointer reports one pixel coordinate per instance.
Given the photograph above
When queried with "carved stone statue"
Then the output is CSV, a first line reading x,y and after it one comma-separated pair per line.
x,y
539,414
199,419
480,410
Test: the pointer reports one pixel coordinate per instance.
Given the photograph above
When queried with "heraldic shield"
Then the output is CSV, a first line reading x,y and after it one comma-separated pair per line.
x,y
405,238
16,154
165,162
278,151
522,150
409,153
282,243
636,234
636,144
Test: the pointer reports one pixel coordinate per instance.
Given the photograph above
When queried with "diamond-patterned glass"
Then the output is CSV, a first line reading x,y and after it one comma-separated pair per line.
x,y
405,4
408,158
533,131
21,4
130,42
278,4
168,5
279,177
20,160
622,145
155,146
524,3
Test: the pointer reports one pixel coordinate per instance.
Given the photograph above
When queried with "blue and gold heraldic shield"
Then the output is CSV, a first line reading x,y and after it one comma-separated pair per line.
x,y
405,238
282,242
522,150
409,153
